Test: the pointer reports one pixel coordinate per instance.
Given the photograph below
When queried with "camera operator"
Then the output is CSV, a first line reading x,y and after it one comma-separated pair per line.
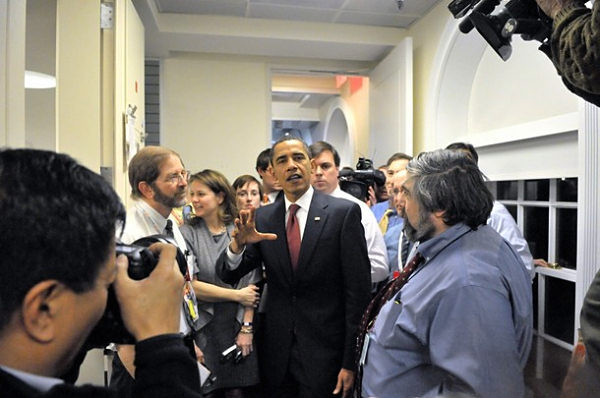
x,y
57,262
575,44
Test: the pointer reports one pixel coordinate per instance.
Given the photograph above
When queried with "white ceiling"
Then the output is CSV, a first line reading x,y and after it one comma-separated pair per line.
x,y
357,12
298,36
357,32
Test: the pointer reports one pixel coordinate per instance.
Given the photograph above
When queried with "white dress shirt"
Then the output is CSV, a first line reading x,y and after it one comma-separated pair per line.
x,y
504,223
375,243
142,221
302,212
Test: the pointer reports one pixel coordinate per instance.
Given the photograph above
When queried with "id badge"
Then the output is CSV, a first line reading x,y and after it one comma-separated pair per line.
x,y
190,307
365,348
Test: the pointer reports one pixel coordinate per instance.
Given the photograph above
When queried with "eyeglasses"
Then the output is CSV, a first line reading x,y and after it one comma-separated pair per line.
x,y
175,178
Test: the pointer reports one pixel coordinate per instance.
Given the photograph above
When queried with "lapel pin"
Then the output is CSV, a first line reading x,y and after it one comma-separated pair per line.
x,y
317,218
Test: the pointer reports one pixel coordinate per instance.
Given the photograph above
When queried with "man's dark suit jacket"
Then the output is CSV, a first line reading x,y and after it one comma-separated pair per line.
x,y
321,303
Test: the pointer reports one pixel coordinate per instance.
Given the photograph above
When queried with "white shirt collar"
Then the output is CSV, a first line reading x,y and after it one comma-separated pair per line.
x,y
41,383
303,201
154,216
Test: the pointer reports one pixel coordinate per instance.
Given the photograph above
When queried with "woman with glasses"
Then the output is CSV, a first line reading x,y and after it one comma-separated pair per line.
x,y
226,332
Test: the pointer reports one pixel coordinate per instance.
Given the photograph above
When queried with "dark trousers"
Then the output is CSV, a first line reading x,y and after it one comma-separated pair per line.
x,y
295,383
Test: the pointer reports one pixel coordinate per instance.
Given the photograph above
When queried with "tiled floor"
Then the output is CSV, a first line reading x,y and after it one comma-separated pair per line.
x,y
546,369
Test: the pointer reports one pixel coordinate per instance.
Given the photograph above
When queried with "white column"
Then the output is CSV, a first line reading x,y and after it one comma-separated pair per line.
x,y
588,215
12,72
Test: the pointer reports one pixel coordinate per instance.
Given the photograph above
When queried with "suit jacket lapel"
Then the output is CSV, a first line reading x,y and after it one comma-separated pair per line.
x,y
276,224
317,215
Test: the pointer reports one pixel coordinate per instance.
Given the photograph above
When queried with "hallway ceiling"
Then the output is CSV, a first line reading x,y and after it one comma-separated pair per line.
x,y
352,33
356,12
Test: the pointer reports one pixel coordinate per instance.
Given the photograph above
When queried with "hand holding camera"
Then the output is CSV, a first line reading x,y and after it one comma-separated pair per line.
x,y
150,306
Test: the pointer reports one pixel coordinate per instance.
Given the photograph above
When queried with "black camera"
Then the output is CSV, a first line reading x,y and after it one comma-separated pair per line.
x,y
110,328
497,24
233,353
357,182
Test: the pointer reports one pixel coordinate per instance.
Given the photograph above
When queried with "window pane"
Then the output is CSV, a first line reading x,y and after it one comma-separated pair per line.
x,y
507,190
566,189
536,230
512,209
537,190
566,233
559,314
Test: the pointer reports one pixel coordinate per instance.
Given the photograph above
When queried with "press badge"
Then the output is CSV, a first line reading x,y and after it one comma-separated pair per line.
x,y
189,306
365,348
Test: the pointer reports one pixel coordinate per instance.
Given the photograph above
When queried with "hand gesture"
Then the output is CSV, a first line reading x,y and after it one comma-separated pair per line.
x,y
245,231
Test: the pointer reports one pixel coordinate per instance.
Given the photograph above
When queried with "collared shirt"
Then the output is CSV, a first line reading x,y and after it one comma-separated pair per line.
x,y
375,244
302,213
392,239
379,210
142,221
504,223
40,383
462,322
271,196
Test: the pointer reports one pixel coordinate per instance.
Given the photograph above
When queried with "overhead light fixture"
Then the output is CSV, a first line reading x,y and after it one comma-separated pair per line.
x,y
39,80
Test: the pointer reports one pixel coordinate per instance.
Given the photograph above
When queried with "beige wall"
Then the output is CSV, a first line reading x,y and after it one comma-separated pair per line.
x,y
78,81
426,35
216,111
359,105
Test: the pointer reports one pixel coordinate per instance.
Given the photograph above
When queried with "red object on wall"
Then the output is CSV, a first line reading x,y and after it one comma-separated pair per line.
x,y
355,82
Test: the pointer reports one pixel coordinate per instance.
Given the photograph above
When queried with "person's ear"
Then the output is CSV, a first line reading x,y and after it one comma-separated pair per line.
x,y
146,190
220,198
39,309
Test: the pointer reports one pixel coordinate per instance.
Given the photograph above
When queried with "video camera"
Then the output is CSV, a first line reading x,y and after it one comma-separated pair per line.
x,y
497,23
110,328
357,182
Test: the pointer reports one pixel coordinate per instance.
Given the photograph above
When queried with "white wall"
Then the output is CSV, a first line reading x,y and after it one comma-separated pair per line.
x,y
522,89
216,111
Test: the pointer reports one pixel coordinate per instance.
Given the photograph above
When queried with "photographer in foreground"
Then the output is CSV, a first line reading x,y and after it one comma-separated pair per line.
x,y
57,262
575,44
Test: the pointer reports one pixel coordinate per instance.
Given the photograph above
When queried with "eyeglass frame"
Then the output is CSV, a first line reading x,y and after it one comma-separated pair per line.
x,y
183,176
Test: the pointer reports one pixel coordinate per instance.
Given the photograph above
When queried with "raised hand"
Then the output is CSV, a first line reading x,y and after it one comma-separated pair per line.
x,y
245,231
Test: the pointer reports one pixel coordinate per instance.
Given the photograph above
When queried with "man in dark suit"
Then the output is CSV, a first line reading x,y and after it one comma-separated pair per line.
x,y
318,292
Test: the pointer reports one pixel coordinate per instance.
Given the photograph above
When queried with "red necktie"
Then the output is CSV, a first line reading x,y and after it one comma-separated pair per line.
x,y
292,230
370,315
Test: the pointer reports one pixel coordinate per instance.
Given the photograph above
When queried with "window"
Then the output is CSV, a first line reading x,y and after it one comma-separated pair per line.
x,y
546,212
